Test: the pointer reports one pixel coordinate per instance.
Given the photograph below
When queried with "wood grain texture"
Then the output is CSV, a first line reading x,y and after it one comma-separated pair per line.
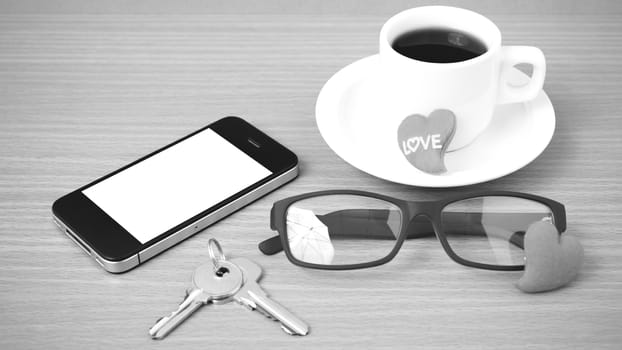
x,y
81,95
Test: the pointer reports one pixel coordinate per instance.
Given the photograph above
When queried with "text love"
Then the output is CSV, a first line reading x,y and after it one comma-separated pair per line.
x,y
412,144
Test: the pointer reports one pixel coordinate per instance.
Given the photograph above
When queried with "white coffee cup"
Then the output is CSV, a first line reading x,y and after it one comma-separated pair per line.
x,y
470,89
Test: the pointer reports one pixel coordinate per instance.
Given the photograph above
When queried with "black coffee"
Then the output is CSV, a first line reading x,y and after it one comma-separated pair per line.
x,y
439,45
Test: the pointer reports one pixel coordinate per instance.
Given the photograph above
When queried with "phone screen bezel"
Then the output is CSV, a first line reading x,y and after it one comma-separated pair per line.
x,y
112,242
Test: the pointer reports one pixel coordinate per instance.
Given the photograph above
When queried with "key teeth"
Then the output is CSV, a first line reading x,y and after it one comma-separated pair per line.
x,y
248,304
288,331
283,327
265,313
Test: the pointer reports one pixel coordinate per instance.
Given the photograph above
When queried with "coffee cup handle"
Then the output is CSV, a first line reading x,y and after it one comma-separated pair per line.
x,y
510,57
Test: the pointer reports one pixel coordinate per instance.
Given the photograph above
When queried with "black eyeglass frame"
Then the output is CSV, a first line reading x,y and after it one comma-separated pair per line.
x,y
410,210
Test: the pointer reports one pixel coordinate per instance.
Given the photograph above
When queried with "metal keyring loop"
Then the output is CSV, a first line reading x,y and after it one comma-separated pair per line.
x,y
215,252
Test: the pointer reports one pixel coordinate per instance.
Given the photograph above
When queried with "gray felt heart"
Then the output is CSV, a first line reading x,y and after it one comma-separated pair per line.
x,y
553,260
423,141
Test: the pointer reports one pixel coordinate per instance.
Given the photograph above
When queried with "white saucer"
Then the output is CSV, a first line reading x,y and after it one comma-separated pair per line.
x,y
517,134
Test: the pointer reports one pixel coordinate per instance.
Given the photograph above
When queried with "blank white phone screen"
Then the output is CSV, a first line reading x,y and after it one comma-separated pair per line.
x,y
176,184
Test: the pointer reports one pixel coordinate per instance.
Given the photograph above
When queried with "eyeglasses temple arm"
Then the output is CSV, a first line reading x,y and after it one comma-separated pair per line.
x,y
271,245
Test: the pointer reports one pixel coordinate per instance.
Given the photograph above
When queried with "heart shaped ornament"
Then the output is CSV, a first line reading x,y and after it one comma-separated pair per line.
x,y
553,260
424,140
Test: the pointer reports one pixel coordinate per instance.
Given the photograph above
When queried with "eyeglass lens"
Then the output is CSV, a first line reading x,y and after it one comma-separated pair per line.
x,y
342,229
490,230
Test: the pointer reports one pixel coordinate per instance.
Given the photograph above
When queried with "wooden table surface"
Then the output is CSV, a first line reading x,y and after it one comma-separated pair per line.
x,y
83,94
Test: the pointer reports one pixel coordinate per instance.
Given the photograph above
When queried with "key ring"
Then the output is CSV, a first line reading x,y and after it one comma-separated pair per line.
x,y
215,252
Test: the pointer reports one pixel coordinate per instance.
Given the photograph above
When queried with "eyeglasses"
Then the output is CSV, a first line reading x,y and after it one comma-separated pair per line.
x,y
340,230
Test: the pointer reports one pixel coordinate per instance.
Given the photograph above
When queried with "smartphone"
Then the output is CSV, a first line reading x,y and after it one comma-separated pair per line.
x,y
134,213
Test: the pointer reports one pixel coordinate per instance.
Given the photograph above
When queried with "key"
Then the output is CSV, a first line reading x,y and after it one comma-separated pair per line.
x,y
254,297
210,285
